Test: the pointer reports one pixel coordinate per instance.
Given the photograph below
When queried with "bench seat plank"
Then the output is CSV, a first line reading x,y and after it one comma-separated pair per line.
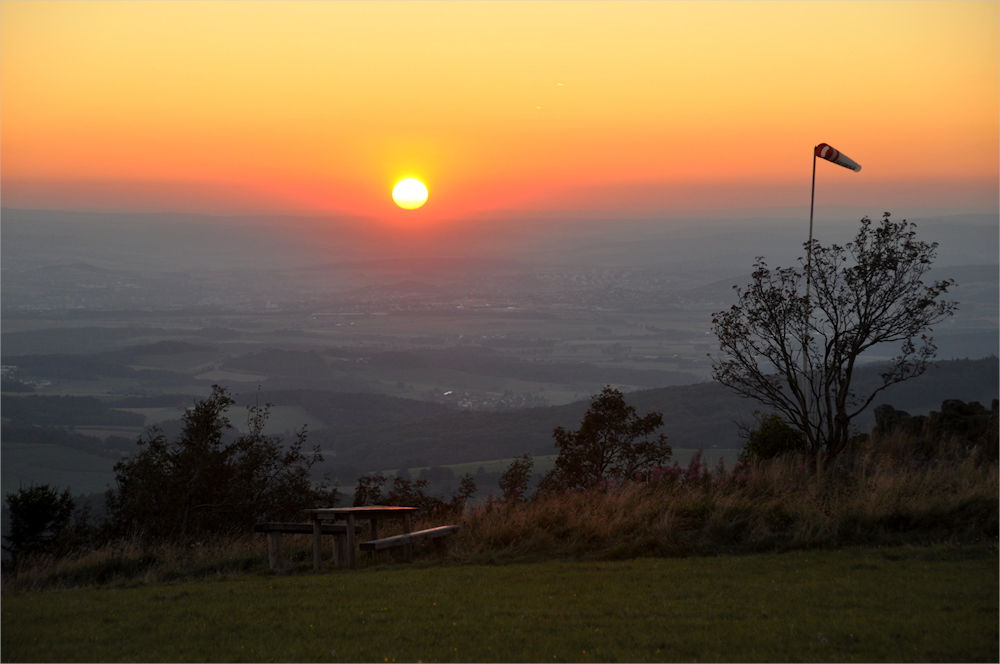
x,y
409,538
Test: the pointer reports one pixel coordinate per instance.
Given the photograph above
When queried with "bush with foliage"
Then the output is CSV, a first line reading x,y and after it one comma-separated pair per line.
x,y
408,493
208,482
369,490
38,517
514,481
612,441
771,437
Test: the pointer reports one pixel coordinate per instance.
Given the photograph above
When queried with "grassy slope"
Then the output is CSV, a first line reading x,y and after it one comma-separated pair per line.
x,y
901,604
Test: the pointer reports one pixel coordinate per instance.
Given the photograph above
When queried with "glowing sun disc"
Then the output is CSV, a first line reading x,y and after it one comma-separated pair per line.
x,y
409,194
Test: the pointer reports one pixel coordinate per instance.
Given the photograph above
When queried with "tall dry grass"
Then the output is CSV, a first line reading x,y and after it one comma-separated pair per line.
x,y
872,498
132,562
888,492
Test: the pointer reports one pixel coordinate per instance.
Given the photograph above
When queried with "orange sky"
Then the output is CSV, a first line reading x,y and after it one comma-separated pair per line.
x,y
315,106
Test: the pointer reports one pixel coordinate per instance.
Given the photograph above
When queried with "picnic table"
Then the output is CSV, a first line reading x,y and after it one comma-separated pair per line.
x,y
347,554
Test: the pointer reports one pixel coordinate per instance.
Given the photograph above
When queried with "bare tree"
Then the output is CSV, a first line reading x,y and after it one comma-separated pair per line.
x,y
797,352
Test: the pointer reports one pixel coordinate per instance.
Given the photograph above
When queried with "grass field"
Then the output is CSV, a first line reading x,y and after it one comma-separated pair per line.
x,y
896,604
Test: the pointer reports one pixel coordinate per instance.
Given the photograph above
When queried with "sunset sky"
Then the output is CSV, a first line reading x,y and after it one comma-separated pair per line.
x,y
497,106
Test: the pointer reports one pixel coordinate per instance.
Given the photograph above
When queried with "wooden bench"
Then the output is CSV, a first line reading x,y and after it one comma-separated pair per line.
x,y
437,535
275,530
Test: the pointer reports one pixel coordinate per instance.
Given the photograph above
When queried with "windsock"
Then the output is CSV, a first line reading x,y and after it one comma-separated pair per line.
x,y
831,154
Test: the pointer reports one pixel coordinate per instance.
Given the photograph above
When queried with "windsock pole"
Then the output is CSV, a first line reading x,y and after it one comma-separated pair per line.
x,y
809,247
829,153
806,379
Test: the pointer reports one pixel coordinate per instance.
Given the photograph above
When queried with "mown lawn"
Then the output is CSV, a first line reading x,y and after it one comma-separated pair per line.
x,y
896,604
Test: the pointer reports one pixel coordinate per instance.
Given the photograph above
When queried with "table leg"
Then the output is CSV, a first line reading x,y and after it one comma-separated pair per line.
x,y
317,545
374,523
274,551
341,550
407,548
352,560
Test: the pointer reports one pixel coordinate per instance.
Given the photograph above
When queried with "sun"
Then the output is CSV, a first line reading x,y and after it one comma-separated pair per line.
x,y
409,194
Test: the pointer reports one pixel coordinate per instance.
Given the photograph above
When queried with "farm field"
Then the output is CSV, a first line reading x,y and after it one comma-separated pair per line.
x,y
891,604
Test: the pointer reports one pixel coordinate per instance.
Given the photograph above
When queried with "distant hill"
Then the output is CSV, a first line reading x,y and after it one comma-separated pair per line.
x,y
114,364
694,415
64,410
347,409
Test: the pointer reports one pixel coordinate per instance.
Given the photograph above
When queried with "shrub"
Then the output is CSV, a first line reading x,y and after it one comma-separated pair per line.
x,y
409,493
612,441
369,490
38,516
514,481
770,438
203,482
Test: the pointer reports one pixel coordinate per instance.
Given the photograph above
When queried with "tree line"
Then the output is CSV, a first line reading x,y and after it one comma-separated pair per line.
x,y
794,352
205,481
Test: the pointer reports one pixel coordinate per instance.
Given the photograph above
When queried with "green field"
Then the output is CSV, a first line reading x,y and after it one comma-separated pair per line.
x,y
903,604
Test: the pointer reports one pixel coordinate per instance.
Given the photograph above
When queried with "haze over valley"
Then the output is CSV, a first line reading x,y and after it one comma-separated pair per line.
x,y
502,329
432,232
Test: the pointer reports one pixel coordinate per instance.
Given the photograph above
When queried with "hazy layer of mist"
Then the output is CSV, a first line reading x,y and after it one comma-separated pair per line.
x,y
34,239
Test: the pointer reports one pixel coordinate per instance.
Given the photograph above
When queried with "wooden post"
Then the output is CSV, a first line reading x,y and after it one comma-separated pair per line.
x,y
374,522
341,550
407,548
317,543
806,369
274,557
352,560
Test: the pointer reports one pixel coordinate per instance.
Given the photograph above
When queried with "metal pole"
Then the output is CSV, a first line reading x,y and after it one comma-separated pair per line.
x,y
806,378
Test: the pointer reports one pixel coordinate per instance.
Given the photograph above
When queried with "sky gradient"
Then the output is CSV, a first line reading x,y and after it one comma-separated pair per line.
x,y
609,108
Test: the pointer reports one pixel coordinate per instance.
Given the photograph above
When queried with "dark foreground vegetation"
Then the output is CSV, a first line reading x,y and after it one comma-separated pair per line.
x,y
892,489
